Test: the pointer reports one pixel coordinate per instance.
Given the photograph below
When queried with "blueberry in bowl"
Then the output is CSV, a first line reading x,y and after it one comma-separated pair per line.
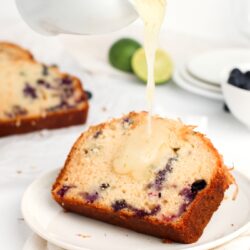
x,y
239,78
235,83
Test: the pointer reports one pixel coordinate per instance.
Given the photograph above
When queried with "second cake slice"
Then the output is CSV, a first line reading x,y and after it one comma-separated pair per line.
x,y
34,96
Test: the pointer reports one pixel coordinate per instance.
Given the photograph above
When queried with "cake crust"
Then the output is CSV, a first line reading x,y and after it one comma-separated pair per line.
x,y
50,120
186,229
16,52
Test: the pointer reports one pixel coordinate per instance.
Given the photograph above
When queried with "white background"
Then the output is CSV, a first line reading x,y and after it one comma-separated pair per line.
x,y
206,18
210,19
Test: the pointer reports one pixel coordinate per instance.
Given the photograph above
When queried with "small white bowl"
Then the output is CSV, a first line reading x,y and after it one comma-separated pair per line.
x,y
237,99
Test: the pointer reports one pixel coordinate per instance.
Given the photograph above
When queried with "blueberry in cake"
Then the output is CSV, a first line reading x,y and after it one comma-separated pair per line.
x,y
167,184
35,96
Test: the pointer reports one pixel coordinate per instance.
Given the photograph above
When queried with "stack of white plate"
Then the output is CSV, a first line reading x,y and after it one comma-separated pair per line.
x,y
201,74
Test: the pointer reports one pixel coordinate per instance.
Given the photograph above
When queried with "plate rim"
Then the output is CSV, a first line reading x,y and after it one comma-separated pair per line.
x,y
186,85
183,72
213,51
212,244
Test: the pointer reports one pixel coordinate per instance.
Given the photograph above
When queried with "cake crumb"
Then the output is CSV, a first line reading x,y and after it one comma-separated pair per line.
x,y
18,123
104,109
84,236
20,219
43,114
167,241
232,225
19,172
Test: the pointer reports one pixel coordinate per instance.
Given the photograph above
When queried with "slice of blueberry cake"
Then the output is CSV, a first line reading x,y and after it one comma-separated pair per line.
x,y
167,184
35,96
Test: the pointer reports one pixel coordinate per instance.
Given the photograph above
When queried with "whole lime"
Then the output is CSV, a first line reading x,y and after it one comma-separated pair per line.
x,y
121,53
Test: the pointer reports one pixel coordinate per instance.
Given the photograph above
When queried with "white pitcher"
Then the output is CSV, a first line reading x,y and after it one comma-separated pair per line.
x,y
85,17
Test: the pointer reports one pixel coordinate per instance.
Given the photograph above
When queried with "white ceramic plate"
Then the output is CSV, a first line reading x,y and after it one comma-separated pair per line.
x,y
189,86
208,66
71,231
201,84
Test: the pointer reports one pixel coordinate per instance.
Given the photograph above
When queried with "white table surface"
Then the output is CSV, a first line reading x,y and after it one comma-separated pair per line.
x,y
23,158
